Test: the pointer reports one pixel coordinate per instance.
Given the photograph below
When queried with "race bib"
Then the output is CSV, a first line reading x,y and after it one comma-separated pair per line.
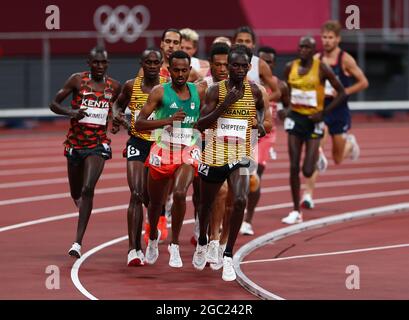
x,y
232,128
155,160
95,116
329,89
319,127
175,135
289,124
203,169
304,98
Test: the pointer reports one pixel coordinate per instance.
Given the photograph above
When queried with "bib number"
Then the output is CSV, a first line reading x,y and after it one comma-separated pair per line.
x,y
155,160
304,98
289,124
95,116
232,128
203,169
319,127
133,152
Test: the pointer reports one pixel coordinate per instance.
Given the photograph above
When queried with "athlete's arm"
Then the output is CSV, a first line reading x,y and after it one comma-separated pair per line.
x,y
260,108
267,77
72,85
327,73
351,68
285,93
194,76
154,101
118,109
268,115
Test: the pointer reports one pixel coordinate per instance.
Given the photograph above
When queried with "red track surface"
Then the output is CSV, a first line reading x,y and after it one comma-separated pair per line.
x,y
380,177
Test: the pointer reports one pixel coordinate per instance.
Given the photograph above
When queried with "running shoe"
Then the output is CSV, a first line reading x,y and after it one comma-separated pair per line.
x,y
75,250
152,251
174,260
199,257
356,150
307,201
293,217
219,264
246,229
228,271
212,254
135,258
147,229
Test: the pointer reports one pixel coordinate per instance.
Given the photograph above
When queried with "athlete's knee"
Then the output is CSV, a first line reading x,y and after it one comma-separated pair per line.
x,y
308,171
338,158
179,195
87,191
240,202
137,196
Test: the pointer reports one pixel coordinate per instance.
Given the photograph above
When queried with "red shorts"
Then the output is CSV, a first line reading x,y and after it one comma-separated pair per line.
x,y
163,163
264,145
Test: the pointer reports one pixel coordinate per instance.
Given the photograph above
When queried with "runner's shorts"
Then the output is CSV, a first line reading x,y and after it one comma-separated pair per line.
x,y
219,174
137,149
338,120
163,163
77,156
301,126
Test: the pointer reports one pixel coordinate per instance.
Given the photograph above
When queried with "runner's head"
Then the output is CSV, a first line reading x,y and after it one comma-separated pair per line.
x,y
170,42
218,61
239,59
222,40
306,48
268,54
190,39
151,61
331,35
246,36
98,62
179,67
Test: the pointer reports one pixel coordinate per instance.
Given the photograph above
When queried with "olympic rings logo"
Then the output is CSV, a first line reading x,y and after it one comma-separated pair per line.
x,y
121,22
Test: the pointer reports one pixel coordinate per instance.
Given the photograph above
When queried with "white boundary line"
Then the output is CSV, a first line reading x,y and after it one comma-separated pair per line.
x,y
249,247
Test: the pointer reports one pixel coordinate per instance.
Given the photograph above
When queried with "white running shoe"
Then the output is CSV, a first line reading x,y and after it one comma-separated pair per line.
x,y
322,163
246,229
212,254
293,217
307,201
199,257
174,260
75,250
135,258
356,150
152,251
219,264
228,271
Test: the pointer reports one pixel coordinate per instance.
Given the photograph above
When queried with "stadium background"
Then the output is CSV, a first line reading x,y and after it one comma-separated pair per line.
x,y
35,61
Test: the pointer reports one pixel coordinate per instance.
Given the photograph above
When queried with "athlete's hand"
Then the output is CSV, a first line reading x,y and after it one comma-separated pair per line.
x,y
119,120
317,117
79,113
232,97
178,116
254,123
261,130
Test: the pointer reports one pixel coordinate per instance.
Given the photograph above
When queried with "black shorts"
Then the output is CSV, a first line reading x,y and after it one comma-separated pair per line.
x,y
338,120
76,156
137,149
301,126
215,174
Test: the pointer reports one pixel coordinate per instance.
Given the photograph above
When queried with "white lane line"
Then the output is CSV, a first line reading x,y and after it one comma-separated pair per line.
x,y
77,265
279,234
61,217
112,176
189,198
334,253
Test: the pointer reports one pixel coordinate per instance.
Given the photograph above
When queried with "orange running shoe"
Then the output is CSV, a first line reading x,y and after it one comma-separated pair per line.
x,y
162,226
147,230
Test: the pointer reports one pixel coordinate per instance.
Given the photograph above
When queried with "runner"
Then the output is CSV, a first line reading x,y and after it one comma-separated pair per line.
x,y
190,40
231,105
87,145
134,95
174,155
344,145
305,77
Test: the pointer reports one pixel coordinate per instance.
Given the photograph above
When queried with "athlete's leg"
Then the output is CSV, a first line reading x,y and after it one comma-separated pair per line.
x,y
341,148
93,166
294,150
75,178
136,174
183,179
311,157
218,212
254,196
239,184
